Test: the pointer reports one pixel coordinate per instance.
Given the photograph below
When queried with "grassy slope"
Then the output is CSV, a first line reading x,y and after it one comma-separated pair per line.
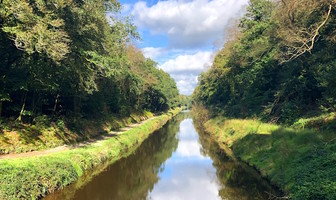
x,y
31,178
16,137
300,161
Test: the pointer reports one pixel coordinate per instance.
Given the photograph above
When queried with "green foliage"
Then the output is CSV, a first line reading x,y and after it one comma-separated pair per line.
x,y
36,27
66,58
263,72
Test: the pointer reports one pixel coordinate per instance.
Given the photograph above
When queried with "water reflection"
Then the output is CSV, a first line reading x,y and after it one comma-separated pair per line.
x,y
174,163
238,180
187,174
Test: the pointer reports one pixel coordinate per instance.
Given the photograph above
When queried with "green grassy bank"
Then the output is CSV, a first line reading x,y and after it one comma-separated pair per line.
x,y
34,177
302,162
45,133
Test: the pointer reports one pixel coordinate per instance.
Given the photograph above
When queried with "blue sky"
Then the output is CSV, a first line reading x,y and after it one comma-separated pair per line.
x,y
182,35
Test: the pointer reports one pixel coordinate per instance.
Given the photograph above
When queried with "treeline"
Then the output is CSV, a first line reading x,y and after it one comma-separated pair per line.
x,y
279,64
66,57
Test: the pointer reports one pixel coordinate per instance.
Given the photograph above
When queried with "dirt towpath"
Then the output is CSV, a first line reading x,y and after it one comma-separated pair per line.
x,y
95,141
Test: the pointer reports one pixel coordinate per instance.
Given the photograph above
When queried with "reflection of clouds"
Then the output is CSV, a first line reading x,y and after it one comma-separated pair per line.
x,y
188,149
188,141
192,180
187,174
187,131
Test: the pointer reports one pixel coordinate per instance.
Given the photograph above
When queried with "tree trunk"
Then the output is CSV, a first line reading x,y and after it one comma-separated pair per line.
x,y
75,108
34,106
0,108
55,105
23,107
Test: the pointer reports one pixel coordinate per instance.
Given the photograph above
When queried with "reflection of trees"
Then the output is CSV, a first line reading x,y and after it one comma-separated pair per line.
x,y
132,177
238,180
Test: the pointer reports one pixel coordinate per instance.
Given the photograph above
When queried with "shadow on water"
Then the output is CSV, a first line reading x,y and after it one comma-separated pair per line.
x,y
173,163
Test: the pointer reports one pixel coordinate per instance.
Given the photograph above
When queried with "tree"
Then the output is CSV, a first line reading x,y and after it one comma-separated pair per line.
x,y
302,24
67,58
279,67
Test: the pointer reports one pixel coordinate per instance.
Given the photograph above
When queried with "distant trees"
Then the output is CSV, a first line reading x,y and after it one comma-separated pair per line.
x,y
281,65
67,58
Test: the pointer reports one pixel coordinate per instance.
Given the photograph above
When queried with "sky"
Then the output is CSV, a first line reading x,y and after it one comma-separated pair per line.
x,y
182,35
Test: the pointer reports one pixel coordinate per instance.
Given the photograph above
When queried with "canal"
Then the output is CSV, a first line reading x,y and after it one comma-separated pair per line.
x,y
176,162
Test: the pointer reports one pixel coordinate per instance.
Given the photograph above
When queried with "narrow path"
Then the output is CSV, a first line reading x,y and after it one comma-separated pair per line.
x,y
95,141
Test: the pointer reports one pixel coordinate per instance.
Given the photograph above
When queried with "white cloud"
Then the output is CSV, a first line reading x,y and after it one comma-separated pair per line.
x,y
152,52
185,69
188,24
186,83
192,28
188,63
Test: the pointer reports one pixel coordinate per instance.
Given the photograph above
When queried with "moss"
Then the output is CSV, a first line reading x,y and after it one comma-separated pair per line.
x,y
34,177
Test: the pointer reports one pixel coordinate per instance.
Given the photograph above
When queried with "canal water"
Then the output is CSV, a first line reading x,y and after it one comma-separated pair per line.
x,y
176,162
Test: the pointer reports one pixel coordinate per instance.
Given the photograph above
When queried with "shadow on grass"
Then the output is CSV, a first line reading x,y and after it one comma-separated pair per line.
x,y
30,135
3,138
300,161
70,132
322,122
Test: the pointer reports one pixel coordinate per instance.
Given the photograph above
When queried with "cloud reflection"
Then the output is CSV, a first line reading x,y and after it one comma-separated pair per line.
x,y
187,174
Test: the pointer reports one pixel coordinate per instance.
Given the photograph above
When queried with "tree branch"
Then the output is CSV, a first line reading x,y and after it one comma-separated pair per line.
x,y
308,44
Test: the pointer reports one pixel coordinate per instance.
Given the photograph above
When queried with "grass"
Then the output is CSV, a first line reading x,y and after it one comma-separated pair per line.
x,y
299,161
321,122
16,137
34,177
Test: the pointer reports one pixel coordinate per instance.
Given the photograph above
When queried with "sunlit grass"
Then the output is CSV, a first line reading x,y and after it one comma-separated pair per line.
x,y
325,121
230,130
300,161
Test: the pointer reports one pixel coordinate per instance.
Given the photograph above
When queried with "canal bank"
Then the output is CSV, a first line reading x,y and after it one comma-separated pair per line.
x,y
299,161
34,177
176,162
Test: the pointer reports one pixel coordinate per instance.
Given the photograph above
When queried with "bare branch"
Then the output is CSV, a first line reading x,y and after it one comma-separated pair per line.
x,y
304,39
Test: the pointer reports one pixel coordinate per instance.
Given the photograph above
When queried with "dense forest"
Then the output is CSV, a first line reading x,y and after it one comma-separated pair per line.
x,y
278,64
75,58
